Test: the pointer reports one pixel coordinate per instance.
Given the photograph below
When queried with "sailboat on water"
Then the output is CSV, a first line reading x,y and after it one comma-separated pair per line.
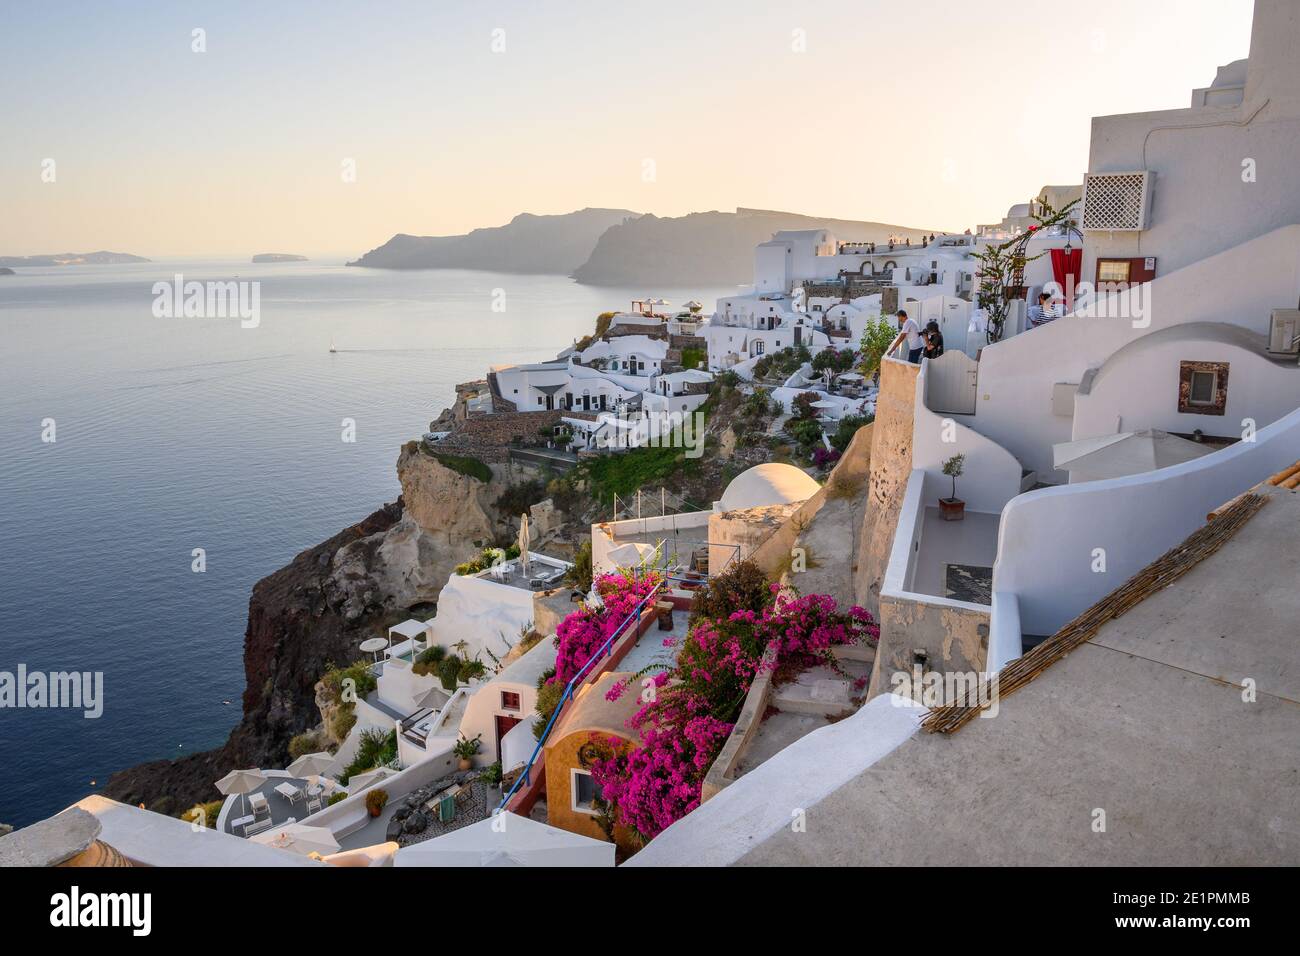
x,y
332,348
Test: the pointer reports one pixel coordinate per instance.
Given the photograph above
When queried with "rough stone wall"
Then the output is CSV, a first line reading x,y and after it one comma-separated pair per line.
x,y
952,640
488,437
891,466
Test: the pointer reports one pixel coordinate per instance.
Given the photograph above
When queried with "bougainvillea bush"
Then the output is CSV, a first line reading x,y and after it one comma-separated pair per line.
x,y
693,707
584,632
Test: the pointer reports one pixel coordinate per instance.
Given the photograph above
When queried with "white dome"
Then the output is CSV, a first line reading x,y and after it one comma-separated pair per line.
x,y
766,485
1018,211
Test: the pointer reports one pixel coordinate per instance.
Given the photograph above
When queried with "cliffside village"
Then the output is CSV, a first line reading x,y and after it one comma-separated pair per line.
x,y
1042,578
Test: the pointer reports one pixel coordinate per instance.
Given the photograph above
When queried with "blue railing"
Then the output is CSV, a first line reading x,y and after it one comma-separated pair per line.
x,y
523,778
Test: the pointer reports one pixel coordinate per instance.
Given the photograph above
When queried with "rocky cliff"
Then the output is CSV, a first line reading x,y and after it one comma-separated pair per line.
x,y
317,609
526,244
707,248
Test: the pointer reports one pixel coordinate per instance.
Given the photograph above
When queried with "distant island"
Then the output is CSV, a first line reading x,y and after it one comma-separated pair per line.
x,y
278,257
527,244
72,259
6,271
620,247
709,248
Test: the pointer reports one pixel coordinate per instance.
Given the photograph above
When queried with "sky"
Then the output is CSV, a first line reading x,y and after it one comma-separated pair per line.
x,y
927,113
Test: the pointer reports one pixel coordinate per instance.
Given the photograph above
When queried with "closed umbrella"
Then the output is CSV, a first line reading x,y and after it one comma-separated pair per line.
x,y
242,782
300,838
524,542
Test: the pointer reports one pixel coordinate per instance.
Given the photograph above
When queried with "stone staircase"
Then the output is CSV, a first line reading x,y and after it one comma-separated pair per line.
x,y
822,692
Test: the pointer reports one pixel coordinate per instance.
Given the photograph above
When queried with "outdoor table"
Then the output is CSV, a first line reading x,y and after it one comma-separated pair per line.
x,y
288,791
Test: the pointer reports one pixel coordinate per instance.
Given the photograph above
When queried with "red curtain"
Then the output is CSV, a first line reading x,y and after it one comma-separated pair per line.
x,y
1067,264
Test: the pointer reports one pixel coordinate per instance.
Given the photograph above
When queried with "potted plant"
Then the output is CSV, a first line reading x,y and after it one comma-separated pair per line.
x,y
466,748
953,509
376,800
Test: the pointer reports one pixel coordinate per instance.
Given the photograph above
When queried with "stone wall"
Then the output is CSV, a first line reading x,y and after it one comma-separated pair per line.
x,y
891,466
935,636
488,437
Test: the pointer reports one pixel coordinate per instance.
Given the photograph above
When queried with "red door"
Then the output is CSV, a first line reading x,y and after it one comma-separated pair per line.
x,y
503,727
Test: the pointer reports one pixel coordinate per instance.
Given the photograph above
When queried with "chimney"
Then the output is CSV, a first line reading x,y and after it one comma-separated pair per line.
x,y
1273,74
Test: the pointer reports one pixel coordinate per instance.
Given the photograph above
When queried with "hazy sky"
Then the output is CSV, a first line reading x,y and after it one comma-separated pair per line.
x,y
929,113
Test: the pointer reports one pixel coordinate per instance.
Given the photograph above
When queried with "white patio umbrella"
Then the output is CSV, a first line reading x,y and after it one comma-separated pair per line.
x,y
311,766
242,782
1126,453
299,838
524,542
360,781
508,839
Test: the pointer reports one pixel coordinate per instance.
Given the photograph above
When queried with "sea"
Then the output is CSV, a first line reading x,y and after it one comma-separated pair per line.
x,y
154,466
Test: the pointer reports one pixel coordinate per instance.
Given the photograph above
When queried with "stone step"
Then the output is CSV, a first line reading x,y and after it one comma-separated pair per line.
x,y
862,653
819,691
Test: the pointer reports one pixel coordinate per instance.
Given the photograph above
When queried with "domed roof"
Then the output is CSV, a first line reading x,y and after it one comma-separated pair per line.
x,y
766,485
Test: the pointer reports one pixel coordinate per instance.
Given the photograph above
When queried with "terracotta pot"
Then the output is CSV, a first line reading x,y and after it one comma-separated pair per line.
x,y
952,509
465,763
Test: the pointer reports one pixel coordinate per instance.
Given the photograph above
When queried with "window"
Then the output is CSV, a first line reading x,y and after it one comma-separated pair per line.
x,y
509,700
584,791
1113,270
1202,388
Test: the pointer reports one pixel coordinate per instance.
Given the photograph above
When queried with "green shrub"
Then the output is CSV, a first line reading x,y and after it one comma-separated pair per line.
x,y
693,358
471,670
358,672
427,662
345,718
375,748
548,698
465,465
491,774
449,673
806,431
517,499
307,742
209,812
742,587
579,576
847,428
335,798
376,800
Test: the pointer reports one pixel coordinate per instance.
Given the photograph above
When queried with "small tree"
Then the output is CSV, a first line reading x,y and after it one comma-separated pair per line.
x,y
953,468
1002,267
878,335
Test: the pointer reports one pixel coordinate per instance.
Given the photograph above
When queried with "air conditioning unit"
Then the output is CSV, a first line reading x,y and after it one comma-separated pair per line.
x,y
1284,332
1117,202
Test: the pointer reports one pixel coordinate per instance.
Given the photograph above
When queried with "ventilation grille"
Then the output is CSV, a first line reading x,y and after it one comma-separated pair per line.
x,y
1116,201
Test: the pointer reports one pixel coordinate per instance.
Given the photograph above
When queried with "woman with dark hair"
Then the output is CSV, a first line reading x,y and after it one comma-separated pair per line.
x,y
933,340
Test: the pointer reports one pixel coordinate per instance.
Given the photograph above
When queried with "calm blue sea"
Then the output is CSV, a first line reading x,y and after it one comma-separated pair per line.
x,y
174,434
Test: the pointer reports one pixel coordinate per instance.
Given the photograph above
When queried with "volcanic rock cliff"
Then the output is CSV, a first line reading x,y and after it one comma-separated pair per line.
x,y
317,609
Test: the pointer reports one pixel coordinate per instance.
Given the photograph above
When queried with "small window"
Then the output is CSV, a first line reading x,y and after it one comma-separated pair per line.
x,y
584,792
509,700
1203,388
1113,270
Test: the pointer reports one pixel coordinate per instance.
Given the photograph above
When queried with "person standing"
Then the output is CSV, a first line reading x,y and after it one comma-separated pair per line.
x,y
915,342
933,341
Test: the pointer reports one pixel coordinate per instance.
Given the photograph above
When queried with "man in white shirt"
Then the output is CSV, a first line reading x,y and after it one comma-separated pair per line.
x,y
915,342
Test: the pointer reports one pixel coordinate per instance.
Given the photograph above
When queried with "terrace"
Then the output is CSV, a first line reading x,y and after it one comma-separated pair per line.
x,y
239,818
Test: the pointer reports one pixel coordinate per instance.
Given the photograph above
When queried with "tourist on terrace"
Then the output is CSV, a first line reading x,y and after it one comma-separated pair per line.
x,y
909,329
1043,312
933,339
